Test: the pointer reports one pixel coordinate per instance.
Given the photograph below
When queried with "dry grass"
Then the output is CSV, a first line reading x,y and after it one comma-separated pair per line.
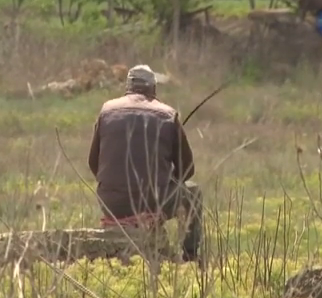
x,y
249,247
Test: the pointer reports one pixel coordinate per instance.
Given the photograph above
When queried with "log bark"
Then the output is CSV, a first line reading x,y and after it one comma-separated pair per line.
x,y
306,283
70,245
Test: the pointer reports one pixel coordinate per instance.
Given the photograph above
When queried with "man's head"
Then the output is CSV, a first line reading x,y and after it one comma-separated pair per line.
x,y
141,79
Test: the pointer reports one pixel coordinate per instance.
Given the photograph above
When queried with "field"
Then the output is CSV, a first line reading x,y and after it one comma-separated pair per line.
x,y
262,201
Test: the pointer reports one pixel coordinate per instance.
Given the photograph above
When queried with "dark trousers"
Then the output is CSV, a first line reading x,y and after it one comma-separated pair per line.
x,y
188,196
168,202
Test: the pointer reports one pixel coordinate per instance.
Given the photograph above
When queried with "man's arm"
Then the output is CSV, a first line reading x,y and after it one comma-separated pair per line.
x,y
94,150
182,154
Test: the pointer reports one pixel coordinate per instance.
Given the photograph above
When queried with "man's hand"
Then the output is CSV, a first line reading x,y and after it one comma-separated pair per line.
x,y
94,150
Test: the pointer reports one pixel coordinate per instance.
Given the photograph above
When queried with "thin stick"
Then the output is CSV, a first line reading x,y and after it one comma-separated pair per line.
x,y
220,88
235,150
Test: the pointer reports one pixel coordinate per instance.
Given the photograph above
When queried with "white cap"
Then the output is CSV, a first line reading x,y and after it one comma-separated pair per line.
x,y
143,72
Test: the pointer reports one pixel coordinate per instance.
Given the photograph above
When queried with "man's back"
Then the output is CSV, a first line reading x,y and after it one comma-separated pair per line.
x,y
138,148
136,137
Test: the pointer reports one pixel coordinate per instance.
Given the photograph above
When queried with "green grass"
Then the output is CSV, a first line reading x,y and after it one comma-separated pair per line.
x,y
30,150
237,8
115,281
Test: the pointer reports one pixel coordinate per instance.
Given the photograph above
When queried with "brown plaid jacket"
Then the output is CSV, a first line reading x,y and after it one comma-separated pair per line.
x,y
138,143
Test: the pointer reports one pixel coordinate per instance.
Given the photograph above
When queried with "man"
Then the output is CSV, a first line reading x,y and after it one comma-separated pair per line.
x,y
141,158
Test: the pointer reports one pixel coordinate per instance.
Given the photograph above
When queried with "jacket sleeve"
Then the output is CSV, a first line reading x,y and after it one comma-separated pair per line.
x,y
94,150
183,161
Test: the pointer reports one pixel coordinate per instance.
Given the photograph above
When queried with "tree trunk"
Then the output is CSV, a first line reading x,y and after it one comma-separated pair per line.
x,y
252,4
110,12
176,26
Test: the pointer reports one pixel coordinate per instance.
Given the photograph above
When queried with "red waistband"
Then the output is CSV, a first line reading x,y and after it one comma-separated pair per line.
x,y
134,220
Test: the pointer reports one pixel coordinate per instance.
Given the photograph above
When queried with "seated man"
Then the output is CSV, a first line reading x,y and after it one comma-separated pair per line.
x,y
141,158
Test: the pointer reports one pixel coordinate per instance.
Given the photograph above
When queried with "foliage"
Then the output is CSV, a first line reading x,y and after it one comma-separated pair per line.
x,y
114,281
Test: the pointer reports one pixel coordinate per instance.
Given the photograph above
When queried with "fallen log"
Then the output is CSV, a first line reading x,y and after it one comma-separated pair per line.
x,y
73,244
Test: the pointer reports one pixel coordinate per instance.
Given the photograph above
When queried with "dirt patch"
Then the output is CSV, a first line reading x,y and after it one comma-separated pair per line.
x,y
90,74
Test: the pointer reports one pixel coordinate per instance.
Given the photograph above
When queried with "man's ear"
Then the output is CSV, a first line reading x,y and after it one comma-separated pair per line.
x,y
178,116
